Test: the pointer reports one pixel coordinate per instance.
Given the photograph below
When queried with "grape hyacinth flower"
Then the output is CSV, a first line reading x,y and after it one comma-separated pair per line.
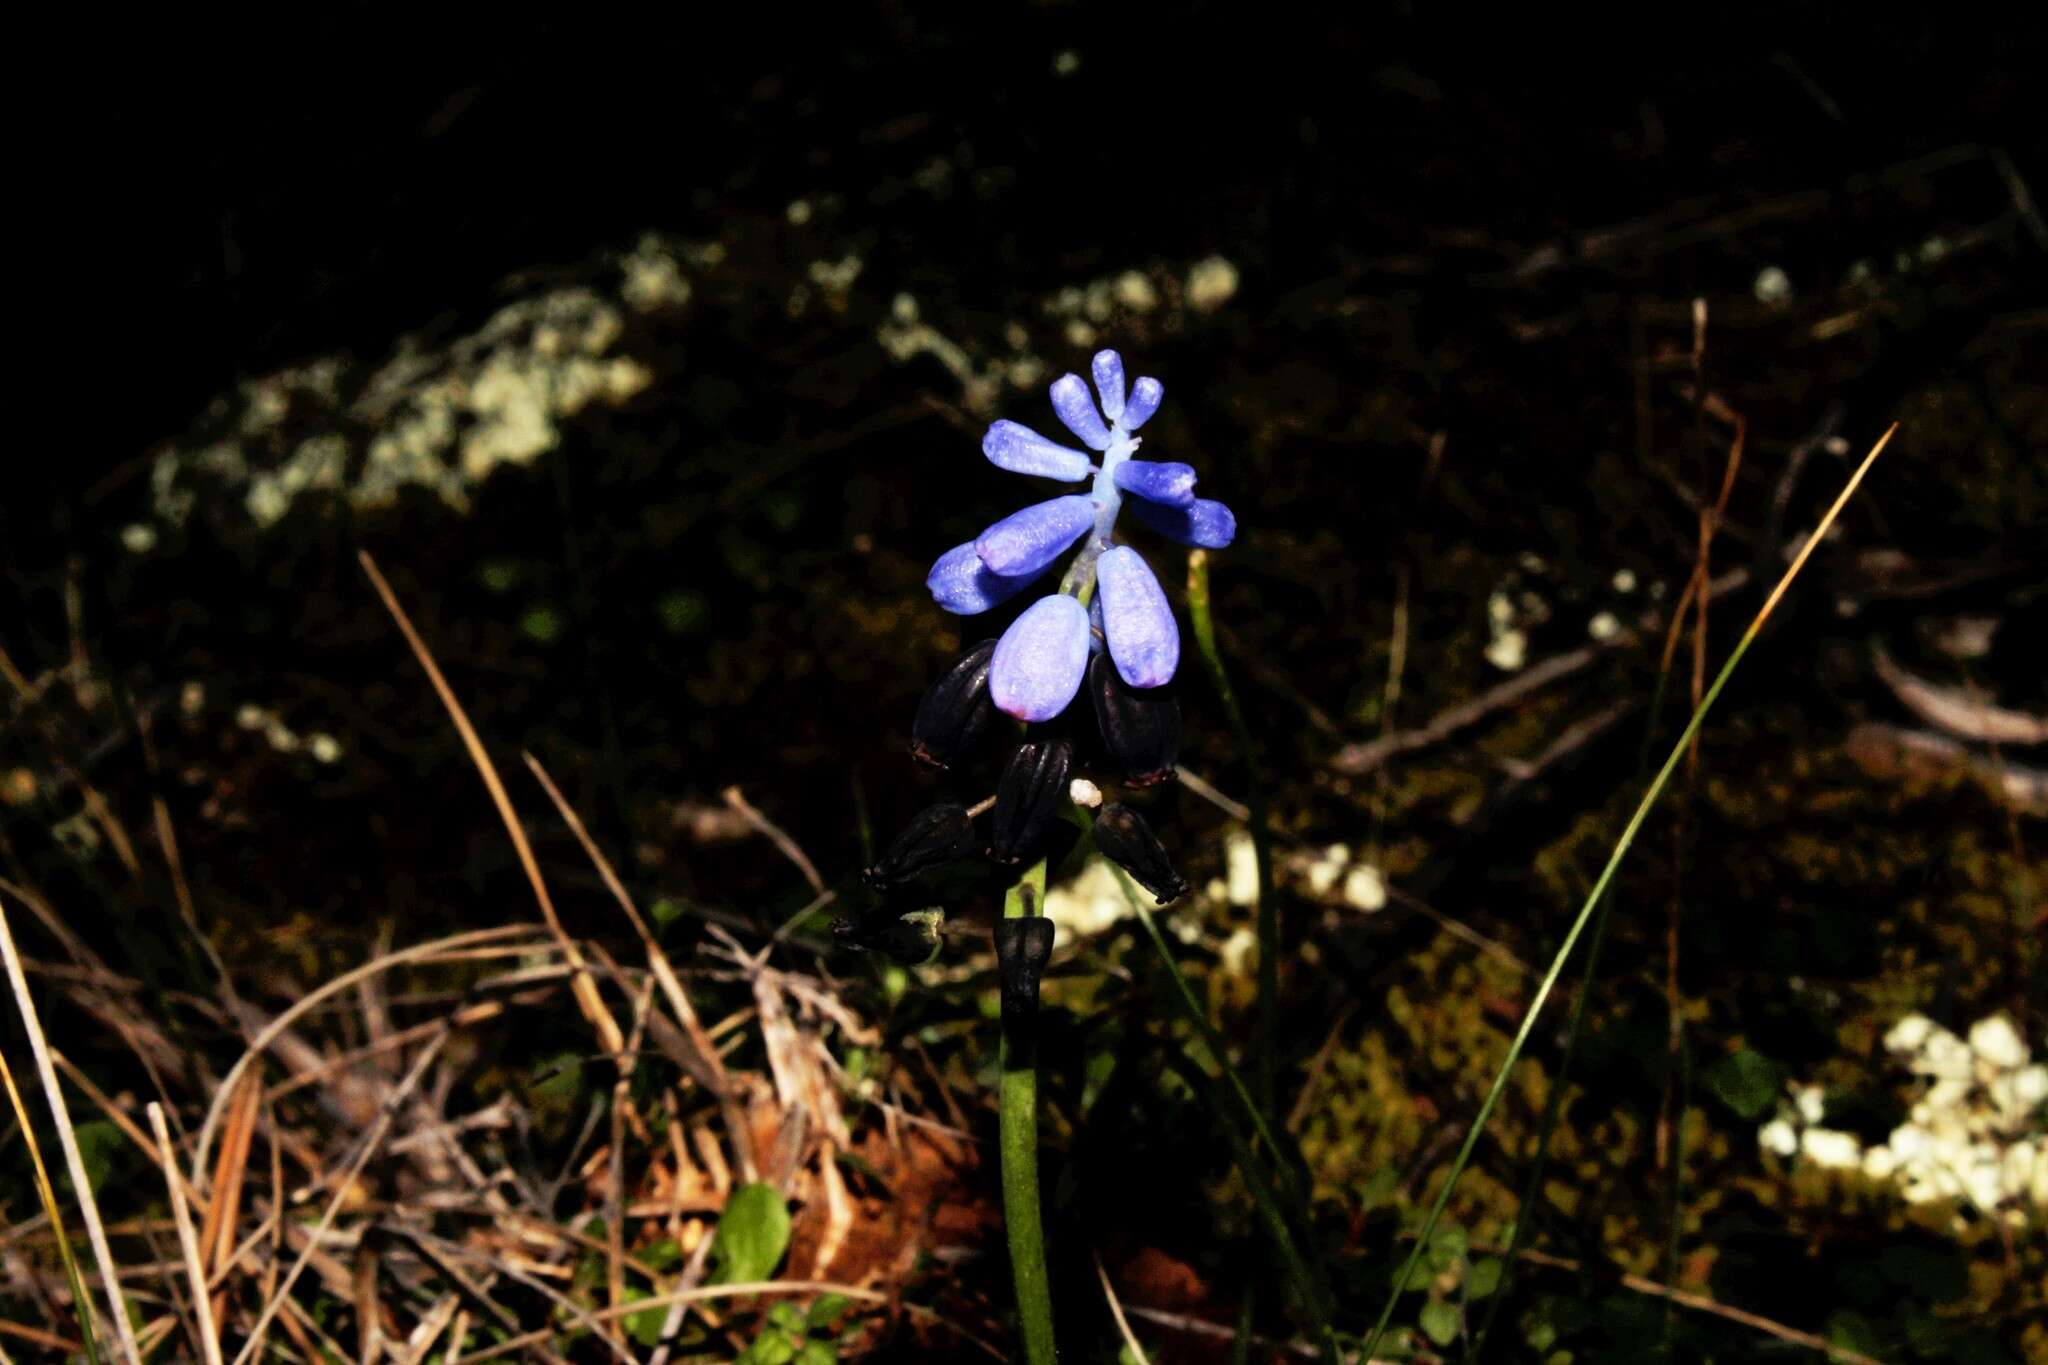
x,y
1108,622
1039,661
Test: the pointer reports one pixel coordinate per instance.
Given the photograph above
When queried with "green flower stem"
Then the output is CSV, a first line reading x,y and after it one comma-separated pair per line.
x,y
1204,623
1017,1119
1593,897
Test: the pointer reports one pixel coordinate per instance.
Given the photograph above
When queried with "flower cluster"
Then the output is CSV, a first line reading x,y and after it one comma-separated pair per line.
x,y
1040,659
1108,626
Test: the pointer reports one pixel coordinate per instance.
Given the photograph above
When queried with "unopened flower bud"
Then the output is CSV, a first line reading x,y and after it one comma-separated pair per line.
x,y
1023,947
1126,840
912,938
1140,725
1084,793
1028,796
956,710
936,836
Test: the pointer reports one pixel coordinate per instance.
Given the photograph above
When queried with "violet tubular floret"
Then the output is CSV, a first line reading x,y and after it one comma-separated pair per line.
x,y
1140,725
960,583
1124,837
1146,396
1033,784
955,710
1108,370
1037,665
935,837
1165,481
1019,449
1076,411
1137,620
1025,543
1204,523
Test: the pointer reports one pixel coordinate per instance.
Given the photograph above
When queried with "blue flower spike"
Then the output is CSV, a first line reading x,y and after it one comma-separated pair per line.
x,y
1019,449
1144,642
1039,661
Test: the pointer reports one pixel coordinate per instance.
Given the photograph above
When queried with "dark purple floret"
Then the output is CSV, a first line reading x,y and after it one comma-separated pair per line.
x,y
1140,725
936,836
1126,840
1029,794
955,710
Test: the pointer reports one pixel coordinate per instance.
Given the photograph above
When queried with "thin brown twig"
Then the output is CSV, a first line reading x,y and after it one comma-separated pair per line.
x,y
314,998
188,1238
1116,1310
1699,1303
712,1064
368,1148
777,835
585,988
67,1138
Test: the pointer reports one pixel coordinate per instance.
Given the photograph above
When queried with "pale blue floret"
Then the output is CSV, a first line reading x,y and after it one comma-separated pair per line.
x,y
1019,449
1167,481
1076,410
1039,660
1137,621
965,586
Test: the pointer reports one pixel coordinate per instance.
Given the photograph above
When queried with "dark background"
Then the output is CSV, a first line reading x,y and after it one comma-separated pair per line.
x,y
1455,233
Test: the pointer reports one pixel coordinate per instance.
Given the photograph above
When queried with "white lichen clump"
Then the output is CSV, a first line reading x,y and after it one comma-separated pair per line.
x,y
1975,1133
436,413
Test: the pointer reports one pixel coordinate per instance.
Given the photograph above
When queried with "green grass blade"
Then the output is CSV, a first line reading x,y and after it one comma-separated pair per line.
x,y
1200,617
1621,848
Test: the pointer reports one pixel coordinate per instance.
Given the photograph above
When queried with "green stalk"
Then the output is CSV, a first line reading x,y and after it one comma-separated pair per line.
x,y
1553,1104
1017,1120
1621,848
1267,1037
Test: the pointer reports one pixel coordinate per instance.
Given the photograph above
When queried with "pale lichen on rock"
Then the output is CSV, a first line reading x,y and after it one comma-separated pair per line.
x,y
434,413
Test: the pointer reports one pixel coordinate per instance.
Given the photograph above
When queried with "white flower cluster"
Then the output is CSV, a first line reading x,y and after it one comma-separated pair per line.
x,y
1975,1133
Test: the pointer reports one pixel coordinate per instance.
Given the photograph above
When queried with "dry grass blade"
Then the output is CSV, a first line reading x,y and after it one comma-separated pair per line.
x,y
305,1004
1116,1310
188,1237
1600,885
81,1305
715,1079
587,998
67,1138
371,1141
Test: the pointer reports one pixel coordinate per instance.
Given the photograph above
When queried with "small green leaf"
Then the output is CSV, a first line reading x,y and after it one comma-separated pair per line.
x,y
1484,1277
753,1232
1747,1082
1440,1322
645,1325
818,1353
1377,1189
1448,1246
825,1311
